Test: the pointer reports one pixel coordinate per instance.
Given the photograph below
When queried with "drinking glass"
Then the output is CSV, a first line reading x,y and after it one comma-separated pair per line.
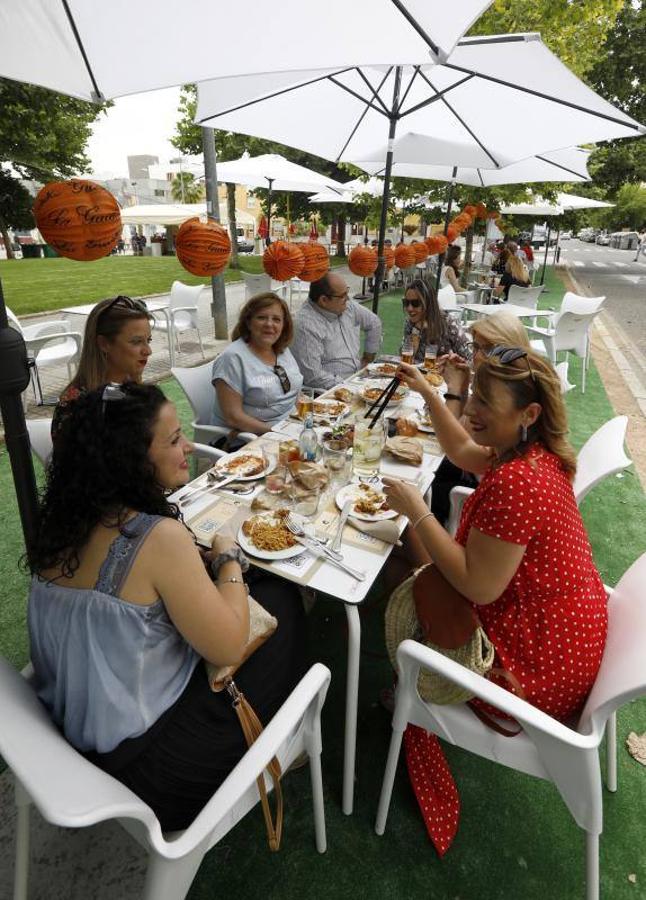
x,y
305,501
336,458
407,351
430,356
368,446
305,404
288,451
276,481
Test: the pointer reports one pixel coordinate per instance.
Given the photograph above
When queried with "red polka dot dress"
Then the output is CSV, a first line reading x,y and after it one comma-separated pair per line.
x,y
548,626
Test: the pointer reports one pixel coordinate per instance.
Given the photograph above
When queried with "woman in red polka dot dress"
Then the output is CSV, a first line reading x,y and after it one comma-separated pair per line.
x,y
521,553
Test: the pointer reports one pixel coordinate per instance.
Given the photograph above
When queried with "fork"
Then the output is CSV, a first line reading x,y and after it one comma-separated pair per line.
x,y
321,550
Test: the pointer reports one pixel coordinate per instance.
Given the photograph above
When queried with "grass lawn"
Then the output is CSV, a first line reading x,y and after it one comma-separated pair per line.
x,y
40,285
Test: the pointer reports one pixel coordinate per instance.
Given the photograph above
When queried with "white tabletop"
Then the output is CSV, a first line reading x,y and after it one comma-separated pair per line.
x,y
481,309
86,308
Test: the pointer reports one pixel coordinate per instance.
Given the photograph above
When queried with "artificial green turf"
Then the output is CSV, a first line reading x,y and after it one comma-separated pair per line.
x,y
37,285
516,840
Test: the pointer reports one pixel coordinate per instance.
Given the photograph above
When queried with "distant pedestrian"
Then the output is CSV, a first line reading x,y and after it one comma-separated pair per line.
x,y
641,246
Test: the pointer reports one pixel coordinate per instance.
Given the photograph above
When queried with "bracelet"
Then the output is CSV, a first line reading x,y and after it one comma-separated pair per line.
x,y
233,554
425,515
233,580
459,397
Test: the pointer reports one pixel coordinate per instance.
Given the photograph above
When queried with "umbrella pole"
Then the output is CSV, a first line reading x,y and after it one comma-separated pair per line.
x,y
547,250
381,260
268,238
449,204
219,303
14,379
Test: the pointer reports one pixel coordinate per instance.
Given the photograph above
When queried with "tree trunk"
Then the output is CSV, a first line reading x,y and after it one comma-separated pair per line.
x,y
5,237
233,225
467,256
340,237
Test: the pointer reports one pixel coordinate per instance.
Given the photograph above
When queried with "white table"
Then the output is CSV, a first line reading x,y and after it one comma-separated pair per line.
x,y
153,306
521,312
331,581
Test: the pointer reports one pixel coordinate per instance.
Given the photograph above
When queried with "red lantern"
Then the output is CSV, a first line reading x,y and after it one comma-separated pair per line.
x,y
421,251
283,261
470,210
436,243
78,218
463,221
362,261
404,256
389,256
203,248
317,262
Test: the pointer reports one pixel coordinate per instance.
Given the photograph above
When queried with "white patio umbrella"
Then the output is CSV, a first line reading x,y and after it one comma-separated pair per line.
x,y
176,213
351,189
496,100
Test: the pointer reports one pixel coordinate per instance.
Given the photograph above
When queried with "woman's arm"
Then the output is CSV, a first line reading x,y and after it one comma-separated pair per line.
x,y
480,571
233,412
213,620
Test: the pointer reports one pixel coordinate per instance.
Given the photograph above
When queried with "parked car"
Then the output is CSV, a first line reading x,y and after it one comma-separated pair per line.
x,y
603,240
566,236
245,246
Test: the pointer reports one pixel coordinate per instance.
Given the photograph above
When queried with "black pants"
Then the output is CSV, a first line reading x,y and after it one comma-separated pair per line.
x,y
184,757
447,477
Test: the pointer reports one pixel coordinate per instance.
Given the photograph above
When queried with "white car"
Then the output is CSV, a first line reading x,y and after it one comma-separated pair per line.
x,y
566,236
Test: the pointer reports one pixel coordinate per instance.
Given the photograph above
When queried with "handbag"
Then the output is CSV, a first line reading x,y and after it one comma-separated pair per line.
x,y
428,608
261,627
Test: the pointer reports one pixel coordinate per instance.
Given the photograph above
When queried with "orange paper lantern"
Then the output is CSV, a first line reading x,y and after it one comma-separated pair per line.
x,y
362,261
470,210
421,251
452,232
405,256
463,221
436,243
389,256
283,261
481,211
316,261
78,218
203,248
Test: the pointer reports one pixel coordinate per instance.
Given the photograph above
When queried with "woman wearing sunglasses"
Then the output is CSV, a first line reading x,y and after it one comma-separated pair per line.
x,y
521,554
116,347
426,324
256,379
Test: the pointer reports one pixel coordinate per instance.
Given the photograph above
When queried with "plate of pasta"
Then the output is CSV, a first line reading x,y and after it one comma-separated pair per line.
x,y
266,536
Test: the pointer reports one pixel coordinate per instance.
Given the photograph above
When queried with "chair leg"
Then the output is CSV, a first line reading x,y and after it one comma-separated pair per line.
x,y
21,871
318,806
171,879
591,866
199,337
611,753
583,376
389,780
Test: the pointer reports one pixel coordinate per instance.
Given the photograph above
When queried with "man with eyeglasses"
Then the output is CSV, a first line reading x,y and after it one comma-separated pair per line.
x,y
327,334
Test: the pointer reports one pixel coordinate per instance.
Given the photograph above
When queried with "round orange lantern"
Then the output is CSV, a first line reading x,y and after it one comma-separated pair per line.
x,y
421,251
362,261
283,261
452,232
389,256
470,210
405,256
436,243
203,248
463,221
494,214
78,218
481,211
317,262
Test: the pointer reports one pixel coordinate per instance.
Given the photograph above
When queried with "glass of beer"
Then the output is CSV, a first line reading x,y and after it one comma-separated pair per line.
x,y
407,351
305,404
430,356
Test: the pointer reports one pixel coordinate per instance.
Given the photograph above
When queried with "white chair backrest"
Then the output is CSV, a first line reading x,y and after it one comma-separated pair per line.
x,y
575,303
601,455
446,296
13,320
622,676
40,438
527,297
196,384
562,372
571,331
184,294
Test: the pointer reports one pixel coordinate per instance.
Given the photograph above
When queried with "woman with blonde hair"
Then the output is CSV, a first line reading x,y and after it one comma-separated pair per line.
x,y
515,273
257,379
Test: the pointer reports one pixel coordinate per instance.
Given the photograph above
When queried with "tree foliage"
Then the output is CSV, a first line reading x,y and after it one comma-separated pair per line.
x,y
186,189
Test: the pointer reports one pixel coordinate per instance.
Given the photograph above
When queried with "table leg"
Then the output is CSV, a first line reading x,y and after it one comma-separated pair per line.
x,y
351,702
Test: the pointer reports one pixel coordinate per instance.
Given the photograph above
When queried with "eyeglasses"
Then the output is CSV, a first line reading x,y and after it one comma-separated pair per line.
x,y
111,393
474,347
129,303
415,304
343,296
285,383
508,355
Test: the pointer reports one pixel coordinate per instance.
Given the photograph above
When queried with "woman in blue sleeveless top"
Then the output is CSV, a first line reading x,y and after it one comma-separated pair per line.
x,y
122,610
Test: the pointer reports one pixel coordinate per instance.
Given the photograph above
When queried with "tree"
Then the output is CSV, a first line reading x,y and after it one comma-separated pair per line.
x,y
630,208
186,189
15,208
43,135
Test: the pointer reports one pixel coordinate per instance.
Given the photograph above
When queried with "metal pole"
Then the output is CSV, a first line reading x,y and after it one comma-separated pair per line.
x,y
557,249
381,260
449,204
547,247
14,379
181,179
268,238
219,304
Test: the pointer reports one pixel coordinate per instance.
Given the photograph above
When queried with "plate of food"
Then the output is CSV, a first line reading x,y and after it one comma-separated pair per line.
x,y
329,408
433,378
370,502
424,422
245,465
382,369
374,392
266,536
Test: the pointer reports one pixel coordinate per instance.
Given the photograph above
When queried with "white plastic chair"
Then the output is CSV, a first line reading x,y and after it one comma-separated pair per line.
x,y
50,344
40,438
71,792
577,304
255,284
570,332
566,755
196,384
602,455
182,313
527,297
562,372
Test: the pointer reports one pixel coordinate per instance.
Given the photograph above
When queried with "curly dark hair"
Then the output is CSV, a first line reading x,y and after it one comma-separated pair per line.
x,y
99,471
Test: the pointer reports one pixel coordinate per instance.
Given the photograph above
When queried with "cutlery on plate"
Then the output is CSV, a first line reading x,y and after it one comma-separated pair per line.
x,y
322,551
345,512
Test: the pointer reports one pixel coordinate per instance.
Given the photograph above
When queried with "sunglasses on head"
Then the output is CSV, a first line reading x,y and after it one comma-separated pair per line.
x,y
285,383
111,393
508,355
129,303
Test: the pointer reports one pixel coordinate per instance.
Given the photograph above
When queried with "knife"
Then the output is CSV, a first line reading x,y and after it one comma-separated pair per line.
x,y
345,512
324,553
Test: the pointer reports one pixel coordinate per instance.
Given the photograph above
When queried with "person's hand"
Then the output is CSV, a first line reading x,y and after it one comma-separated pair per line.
x,y
457,374
222,540
404,498
413,378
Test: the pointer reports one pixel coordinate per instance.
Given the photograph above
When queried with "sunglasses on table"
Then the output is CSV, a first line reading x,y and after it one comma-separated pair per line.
x,y
508,355
285,383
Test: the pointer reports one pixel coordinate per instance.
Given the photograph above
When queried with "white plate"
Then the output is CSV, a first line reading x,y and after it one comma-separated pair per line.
x,y
373,368
352,491
401,393
252,550
422,426
221,465
328,402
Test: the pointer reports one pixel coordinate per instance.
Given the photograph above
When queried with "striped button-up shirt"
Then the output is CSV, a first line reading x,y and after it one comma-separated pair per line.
x,y
327,346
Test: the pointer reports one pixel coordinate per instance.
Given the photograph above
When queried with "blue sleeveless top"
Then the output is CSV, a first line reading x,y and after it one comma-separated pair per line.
x,y
106,669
